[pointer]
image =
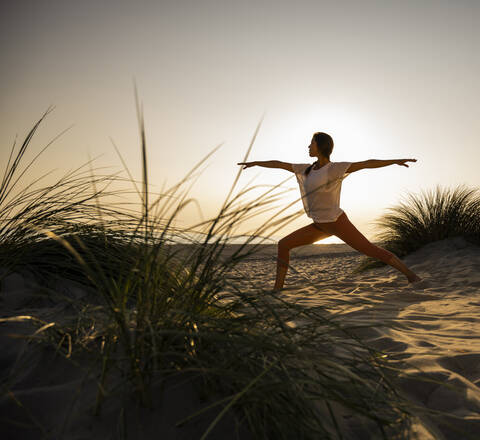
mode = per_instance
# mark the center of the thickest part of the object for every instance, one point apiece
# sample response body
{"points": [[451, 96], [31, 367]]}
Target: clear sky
{"points": [[386, 78]]}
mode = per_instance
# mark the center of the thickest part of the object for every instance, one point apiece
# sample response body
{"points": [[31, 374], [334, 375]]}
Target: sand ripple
{"points": [[431, 331]]}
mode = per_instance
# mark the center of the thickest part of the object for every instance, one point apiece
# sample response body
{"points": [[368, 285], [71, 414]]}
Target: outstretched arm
{"points": [[374, 163], [268, 164]]}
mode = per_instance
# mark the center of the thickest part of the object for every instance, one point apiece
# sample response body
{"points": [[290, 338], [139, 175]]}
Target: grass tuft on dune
{"points": [[427, 217], [156, 313]]}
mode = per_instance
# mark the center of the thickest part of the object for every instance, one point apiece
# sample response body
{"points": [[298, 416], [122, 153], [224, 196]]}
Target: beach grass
{"points": [[163, 308], [427, 217]]}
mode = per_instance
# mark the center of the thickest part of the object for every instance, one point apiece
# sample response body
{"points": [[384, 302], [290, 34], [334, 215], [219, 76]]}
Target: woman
{"points": [[320, 185]]}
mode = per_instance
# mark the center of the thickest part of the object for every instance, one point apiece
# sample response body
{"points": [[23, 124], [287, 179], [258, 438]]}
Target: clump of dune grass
{"points": [[164, 312], [31, 214], [428, 217]]}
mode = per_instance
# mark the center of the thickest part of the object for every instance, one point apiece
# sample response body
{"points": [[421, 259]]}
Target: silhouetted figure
{"points": [[320, 184]]}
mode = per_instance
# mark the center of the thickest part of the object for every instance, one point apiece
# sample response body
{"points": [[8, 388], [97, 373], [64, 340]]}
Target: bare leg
{"points": [[306, 235], [346, 231], [395, 262]]}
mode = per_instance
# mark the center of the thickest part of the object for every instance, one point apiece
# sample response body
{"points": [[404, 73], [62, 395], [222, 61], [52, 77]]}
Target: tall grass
{"points": [[428, 217], [163, 312]]}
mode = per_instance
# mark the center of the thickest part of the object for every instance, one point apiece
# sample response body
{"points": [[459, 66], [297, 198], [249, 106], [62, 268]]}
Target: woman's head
{"points": [[321, 144]]}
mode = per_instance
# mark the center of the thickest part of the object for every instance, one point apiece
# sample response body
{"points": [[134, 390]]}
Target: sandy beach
{"points": [[430, 331]]}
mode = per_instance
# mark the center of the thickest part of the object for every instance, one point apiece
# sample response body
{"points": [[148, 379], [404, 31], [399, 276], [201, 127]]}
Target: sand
{"points": [[430, 330]]}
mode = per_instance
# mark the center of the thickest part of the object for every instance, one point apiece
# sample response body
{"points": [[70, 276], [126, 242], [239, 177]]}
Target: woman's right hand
{"points": [[247, 164]]}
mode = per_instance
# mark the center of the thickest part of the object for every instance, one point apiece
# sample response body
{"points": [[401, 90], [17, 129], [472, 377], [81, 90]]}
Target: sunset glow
{"points": [[386, 80]]}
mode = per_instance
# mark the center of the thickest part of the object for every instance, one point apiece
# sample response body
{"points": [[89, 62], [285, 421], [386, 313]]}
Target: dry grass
{"points": [[428, 217], [157, 314]]}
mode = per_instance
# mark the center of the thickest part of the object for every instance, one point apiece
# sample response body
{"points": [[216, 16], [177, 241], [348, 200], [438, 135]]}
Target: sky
{"points": [[386, 79]]}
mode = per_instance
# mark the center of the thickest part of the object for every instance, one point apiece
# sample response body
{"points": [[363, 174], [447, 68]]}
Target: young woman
{"points": [[320, 185]]}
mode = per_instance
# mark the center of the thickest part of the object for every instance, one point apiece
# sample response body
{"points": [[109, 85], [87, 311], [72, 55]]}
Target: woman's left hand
{"points": [[403, 163]]}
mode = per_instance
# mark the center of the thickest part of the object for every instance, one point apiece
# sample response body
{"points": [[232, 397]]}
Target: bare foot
{"points": [[414, 279], [419, 284]]}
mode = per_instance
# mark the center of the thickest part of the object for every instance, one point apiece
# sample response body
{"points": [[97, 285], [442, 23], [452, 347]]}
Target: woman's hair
{"points": [[324, 144]]}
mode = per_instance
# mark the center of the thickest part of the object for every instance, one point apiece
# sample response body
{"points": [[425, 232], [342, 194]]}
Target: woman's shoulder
{"points": [[300, 167], [339, 168], [340, 163]]}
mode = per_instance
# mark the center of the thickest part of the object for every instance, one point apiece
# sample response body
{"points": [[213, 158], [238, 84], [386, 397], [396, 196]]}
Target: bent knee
{"points": [[284, 244]]}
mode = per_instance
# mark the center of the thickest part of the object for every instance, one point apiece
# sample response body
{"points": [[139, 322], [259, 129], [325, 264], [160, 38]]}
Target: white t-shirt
{"points": [[320, 190]]}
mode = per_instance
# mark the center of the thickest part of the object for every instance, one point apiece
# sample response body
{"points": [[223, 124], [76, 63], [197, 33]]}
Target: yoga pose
{"points": [[320, 185]]}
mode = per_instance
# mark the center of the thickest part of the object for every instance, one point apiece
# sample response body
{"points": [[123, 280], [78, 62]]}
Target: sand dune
{"points": [[430, 331]]}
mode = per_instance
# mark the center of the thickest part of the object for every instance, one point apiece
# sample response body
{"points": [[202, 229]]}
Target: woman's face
{"points": [[313, 149]]}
